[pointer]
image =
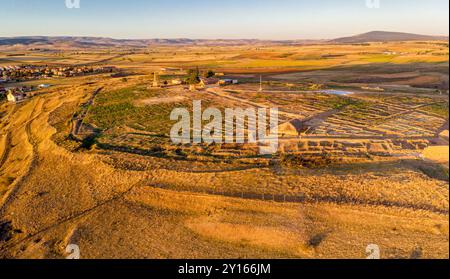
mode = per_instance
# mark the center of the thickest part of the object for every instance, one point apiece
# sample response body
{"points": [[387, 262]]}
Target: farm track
{"points": [[77, 122]]}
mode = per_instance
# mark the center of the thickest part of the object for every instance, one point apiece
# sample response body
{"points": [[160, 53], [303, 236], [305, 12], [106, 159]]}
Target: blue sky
{"points": [[228, 19]]}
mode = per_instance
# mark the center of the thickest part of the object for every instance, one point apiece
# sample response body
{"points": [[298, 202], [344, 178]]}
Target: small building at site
{"points": [[208, 82], [176, 81], [228, 81], [156, 82], [15, 97]]}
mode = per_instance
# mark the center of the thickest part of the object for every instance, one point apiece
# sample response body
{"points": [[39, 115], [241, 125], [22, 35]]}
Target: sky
{"points": [[222, 19]]}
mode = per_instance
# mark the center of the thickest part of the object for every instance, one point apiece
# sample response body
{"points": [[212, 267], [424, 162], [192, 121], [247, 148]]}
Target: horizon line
{"points": [[218, 38]]}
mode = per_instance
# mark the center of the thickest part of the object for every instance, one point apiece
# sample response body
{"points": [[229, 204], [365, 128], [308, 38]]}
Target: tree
{"points": [[210, 74], [193, 76]]}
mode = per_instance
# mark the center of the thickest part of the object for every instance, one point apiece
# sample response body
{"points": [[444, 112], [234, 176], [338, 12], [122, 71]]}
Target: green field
{"points": [[118, 109]]}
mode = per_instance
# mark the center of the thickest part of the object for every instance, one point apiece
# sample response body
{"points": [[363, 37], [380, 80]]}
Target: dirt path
{"points": [[77, 122]]}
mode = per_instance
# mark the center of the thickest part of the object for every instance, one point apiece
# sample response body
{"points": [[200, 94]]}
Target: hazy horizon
{"points": [[230, 39], [199, 19]]}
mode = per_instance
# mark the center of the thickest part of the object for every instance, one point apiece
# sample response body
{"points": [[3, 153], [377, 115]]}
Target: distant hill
{"points": [[90, 42], [383, 36], [74, 42], [67, 42]]}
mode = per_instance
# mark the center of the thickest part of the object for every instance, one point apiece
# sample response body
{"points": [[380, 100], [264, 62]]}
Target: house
{"points": [[228, 81], [15, 97], [208, 82], [176, 81]]}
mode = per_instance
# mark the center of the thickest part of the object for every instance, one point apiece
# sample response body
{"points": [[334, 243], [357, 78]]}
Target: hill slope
{"points": [[382, 36]]}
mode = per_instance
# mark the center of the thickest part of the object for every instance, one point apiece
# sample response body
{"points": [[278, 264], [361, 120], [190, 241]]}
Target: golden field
{"points": [[124, 191]]}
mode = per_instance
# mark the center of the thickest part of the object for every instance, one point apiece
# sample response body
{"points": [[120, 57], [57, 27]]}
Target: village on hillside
{"points": [[18, 76], [193, 79]]}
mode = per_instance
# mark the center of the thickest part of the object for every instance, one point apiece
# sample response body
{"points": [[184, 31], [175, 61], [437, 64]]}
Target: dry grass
{"points": [[119, 205], [437, 154]]}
